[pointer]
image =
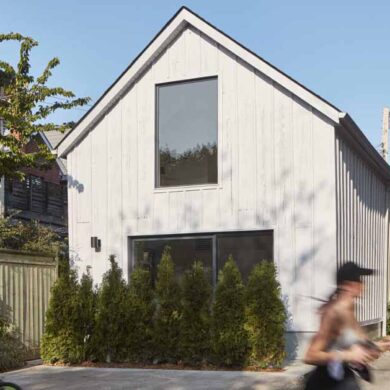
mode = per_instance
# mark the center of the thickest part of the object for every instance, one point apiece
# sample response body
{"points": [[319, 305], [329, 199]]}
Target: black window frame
{"points": [[157, 180], [207, 235]]}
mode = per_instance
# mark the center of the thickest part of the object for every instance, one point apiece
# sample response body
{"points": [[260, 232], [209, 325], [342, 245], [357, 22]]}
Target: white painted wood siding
{"points": [[362, 225], [276, 165]]}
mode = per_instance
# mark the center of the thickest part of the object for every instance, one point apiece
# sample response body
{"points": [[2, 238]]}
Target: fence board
{"points": [[25, 284]]}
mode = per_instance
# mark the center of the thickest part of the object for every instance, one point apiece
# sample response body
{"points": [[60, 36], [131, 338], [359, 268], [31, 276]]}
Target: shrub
{"points": [[266, 316], [140, 310], [109, 339], [29, 236], [229, 336], [388, 319], [167, 320], [85, 314], [12, 351], [60, 342], [196, 320]]}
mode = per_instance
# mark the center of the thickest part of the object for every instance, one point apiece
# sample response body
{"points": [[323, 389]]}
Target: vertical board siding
{"points": [[275, 171], [362, 225], [25, 284]]}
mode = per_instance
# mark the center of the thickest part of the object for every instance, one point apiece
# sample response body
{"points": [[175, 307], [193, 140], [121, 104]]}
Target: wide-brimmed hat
{"points": [[351, 272]]}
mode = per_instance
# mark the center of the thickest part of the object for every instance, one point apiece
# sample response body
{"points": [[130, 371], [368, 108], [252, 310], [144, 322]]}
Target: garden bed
{"points": [[168, 366]]}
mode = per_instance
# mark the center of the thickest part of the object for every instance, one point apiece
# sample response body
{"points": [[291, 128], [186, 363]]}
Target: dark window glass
{"points": [[247, 249], [187, 126], [184, 252]]}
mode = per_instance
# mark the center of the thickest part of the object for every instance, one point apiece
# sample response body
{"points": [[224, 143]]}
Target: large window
{"points": [[187, 127], [247, 249], [148, 252]]}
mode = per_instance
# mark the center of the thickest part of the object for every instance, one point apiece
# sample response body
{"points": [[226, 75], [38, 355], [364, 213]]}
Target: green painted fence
{"points": [[25, 284]]}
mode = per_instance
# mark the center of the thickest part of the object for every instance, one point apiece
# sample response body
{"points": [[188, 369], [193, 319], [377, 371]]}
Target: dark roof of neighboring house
{"points": [[55, 137], [51, 139]]}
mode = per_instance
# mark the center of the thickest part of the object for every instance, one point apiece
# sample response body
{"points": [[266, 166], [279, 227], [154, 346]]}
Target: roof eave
{"points": [[357, 136], [178, 22]]}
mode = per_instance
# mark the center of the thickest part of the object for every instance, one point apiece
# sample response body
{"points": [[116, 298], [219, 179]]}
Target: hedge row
{"points": [[167, 321]]}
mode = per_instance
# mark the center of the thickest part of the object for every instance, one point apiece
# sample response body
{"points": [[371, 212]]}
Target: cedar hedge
{"points": [[229, 335], [168, 321], [168, 312]]}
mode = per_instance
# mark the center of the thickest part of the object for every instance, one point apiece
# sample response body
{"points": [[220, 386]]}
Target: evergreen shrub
{"points": [[85, 314], [196, 318], [229, 336], [60, 342], [111, 332], [168, 311], [140, 311], [265, 317]]}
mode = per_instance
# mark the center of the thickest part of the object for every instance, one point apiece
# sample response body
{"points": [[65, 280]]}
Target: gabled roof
{"points": [[51, 139], [167, 34], [54, 137]]}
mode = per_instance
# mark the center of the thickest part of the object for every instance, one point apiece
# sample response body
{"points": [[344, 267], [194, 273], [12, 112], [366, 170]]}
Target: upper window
{"points": [[187, 130]]}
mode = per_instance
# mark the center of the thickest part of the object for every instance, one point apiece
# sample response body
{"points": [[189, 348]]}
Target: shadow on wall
{"points": [[74, 183]]}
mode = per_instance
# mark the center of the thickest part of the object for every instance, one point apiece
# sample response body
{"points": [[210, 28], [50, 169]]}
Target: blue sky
{"points": [[339, 49]]}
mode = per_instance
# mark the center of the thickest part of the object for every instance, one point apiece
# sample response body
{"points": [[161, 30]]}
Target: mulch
{"points": [[169, 366]]}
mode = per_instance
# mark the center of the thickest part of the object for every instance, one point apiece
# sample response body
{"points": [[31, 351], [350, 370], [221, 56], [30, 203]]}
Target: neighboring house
{"points": [[203, 145], [42, 196]]}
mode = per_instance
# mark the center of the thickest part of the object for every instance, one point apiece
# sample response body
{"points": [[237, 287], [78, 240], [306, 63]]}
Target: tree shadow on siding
{"points": [[74, 183]]}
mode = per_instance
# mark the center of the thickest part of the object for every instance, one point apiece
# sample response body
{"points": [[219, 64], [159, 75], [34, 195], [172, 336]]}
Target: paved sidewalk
{"points": [[75, 378], [72, 378], [381, 374]]}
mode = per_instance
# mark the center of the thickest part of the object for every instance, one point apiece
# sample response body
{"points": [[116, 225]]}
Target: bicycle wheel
{"points": [[9, 386]]}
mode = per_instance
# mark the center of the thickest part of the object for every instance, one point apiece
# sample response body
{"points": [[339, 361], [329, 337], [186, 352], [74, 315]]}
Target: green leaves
{"points": [[196, 318], [110, 335], [229, 336], [171, 322], [167, 321], [25, 105], [266, 316]]}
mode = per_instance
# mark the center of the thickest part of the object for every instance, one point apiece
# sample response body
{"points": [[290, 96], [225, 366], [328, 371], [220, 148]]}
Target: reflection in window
{"points": [[184, 252], [247, 249], [187, 129]]}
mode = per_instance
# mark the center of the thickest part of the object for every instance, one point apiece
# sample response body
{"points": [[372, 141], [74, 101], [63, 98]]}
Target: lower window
{"points": [[148, 252], [247, 249]]}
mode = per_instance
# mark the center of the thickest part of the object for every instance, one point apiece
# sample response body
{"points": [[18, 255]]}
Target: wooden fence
{"points": [[25, 284]]}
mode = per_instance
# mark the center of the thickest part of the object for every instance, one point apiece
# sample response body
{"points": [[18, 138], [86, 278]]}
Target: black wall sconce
{"points": [[96, 243]]}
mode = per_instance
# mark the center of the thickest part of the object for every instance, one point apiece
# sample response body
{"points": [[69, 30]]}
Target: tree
{"points": [[109, 338], [167, 321], [196, 320], [229, 336], [266, 316], [140, 311], [25, 105]]}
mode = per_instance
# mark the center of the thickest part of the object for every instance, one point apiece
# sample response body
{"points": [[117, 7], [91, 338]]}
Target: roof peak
{"points": [[177, 23]]}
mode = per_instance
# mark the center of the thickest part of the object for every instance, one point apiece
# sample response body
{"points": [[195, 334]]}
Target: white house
{"points": [[202, 144]]}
